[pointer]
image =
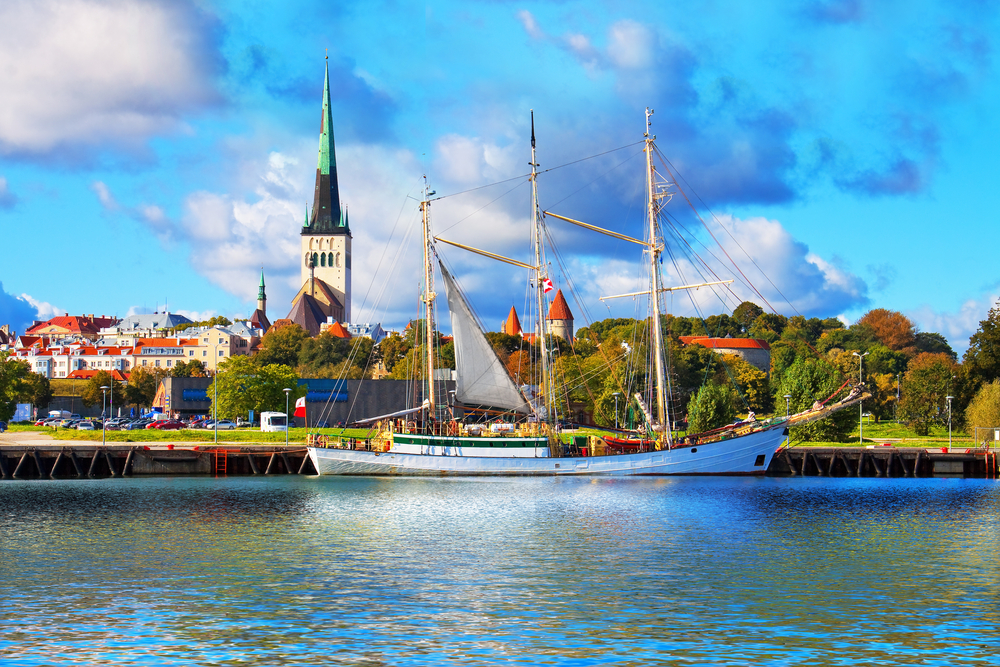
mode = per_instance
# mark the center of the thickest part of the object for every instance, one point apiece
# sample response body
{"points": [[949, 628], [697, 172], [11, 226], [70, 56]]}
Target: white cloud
{"points": [[468, 160], [531, 27], [631, 45], [7, 198], [957, 326], [104, 196], [85, 72], [45, 310]]}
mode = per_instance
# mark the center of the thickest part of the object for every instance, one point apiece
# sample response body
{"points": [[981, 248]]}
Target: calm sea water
{"points": [[296, 571]]}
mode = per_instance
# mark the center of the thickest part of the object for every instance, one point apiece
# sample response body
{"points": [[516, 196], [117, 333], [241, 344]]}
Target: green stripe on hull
{"points": [[444, 441]]}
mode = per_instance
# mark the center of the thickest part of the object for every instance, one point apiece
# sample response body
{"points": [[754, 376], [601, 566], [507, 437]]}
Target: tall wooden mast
{"points": [[655, 248], [425, 206], [540, 276]]}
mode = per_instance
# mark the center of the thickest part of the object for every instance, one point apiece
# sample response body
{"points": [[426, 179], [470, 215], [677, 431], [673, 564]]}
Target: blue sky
{"points": [[162, 152]]}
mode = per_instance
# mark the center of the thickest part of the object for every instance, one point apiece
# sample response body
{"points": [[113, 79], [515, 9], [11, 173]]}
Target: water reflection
{"points": [[569, 572]]}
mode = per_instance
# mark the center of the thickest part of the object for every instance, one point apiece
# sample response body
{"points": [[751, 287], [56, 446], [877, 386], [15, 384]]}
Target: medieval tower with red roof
{"points": [[560, 319]]}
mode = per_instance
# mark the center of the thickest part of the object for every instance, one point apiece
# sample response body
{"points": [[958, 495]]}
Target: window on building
{"points": [[190, 353], [315, 258], [157, 362], [170, 362], [204, 353], [222, 353], [322, 259]]}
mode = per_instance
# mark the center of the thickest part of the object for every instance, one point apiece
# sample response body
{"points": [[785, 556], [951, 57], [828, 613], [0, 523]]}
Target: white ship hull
{"points": [[749, 454]]}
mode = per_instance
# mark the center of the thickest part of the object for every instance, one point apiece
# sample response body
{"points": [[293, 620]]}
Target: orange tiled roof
{"points": [[337, 329], [560, 309], [89, 373], [75, 324], [512, 326], [727, 343]]}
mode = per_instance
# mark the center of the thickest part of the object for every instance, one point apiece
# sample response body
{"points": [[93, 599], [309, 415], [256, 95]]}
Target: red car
{"points": [[166, 424]]}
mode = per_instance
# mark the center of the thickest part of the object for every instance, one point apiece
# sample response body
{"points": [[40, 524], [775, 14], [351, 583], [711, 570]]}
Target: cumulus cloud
{"points": [[85, 73], [20, 311], [7, 198], [957, 326]]}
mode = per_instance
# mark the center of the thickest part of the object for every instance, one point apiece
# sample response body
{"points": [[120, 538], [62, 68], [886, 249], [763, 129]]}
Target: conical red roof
{"points": [[559, 309], [337, 329], [512, 326]]}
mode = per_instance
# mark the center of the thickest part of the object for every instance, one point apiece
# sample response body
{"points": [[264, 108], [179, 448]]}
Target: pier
{"points": [[96, 461], [884, 462]]}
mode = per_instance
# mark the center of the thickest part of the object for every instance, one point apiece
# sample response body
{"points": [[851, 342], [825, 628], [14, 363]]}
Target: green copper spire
{"points": [[326, 217], [260, 290]]}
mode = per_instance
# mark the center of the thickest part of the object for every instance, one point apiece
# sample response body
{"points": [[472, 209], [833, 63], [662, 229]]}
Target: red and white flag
{"points": [[300, 407], [547, 285]]}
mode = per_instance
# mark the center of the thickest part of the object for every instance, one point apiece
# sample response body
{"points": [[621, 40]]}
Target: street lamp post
{"points": [[287, 392], [949, 421], [616, 395], [104, 430], [788, 397], [861, 408]]}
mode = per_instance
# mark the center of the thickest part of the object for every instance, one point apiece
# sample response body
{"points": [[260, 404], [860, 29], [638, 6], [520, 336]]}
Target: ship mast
{"points": [[536, 218], [428, 299], [654, 257]]}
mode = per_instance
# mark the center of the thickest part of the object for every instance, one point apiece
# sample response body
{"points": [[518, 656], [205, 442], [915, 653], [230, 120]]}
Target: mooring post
{"points": [[253, 464], [76, 464], [270, 463], [52, 473], [93, 463]]}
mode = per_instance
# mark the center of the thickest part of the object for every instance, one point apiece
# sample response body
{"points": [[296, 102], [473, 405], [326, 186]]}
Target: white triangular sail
{"points": [[481, 376]]}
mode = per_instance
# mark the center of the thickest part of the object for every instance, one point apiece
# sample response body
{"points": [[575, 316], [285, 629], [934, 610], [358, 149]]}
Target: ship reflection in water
{"points": [[499, 571]]}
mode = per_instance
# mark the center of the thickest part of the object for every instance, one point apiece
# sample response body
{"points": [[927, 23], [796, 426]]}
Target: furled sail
{"points": [[482, 378]]}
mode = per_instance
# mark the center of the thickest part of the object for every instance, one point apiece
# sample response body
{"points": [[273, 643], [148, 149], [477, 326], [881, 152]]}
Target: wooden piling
{"points": [[4, 474], [127, 468], [52, 473], [111, 463], [76, 464], [270, 463], [288, 465], [93, 463], [20, 463], [253, 464], [38, 463], [302, 466]]}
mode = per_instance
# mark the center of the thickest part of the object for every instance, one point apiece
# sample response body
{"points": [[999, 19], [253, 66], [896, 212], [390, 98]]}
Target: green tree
{"points": [[711, 407], [141, 388], [807, 381], [245, 386], [282, 346], [746, 313], [14, 374], [37, 390], [752, 384], [934, 342], [193, 368], [984, 409], [925, 388], [392, 349], [93, 395], [982, 360]]}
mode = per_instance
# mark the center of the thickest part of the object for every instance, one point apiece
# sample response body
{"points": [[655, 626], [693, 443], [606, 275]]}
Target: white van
{"points": [[273, 421]]}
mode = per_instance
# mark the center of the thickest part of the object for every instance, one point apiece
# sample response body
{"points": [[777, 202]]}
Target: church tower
{"points": [[326, 236]]}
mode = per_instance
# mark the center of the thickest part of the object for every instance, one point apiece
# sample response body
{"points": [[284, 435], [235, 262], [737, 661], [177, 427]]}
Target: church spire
{"points": [[261, 297], [327, 216]]}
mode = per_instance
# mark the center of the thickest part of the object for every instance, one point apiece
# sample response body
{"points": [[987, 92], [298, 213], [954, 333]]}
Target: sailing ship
{"points": [[439, 444]]}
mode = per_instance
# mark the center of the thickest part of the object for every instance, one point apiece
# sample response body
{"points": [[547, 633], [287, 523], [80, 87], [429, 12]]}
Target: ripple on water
{"points": [[562, 572]]}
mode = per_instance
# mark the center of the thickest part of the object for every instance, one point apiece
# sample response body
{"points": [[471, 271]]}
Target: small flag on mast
{"points": [[547, 285], [300, 407]]}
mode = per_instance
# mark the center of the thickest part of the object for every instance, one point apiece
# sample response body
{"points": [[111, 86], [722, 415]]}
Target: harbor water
{"points": [[657, 571]]}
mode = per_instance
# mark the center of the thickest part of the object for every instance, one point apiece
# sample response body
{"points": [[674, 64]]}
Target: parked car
{"points": [[167, 425], [225, 424], [84, 425], [3, 426]]}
